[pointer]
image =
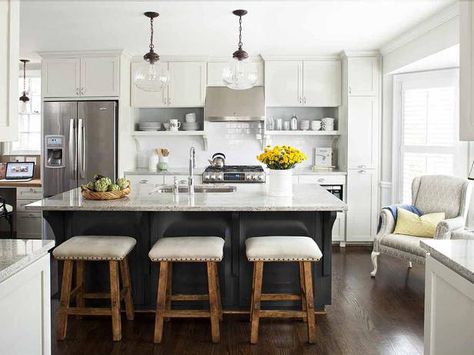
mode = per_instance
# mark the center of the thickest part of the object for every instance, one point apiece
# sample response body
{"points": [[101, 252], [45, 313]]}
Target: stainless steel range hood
{"points": [[224, 104]]}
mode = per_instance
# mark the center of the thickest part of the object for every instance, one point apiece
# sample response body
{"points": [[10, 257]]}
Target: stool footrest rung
{"points": [[281, 314], [89, 311], [189, 297], [186, 314], [280, 297], [104, 295]]}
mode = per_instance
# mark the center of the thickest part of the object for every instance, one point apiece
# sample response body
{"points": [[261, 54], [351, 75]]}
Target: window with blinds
{"points": [[428, 139]]}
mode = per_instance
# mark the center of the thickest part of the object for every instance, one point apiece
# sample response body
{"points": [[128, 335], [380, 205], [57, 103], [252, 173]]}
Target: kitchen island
{"points": [[147, 215]]}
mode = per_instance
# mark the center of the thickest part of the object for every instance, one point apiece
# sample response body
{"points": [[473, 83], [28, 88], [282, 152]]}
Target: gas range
{"points": [[234, 174]]}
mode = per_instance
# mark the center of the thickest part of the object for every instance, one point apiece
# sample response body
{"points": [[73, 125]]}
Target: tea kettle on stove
{"points": [[217, 160]]}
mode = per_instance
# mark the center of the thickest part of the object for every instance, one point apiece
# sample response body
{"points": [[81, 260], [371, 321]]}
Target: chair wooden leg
{"points": [[308, 286], [127, 285], [115, 300], [169, 289], [213, 301], [219, 298], [303, 292], [80, 283], [161, 301], [65, 299], [257, 275]]}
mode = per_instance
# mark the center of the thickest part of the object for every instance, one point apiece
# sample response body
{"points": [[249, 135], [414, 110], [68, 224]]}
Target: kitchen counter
{"points": [[247, 197], [457, 255], [31, 183], [234, 216], [16, 254], [199, 171]]}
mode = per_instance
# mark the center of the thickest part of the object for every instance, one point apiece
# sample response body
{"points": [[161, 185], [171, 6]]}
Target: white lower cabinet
{"points": [[26, 310], [361, 199], [29, 225], [449, 310]]}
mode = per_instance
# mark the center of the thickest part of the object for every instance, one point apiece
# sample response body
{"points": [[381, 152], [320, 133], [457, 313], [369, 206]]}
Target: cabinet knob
{"points": [[350, 90], [304, 100], [362, 171], [77, 91], [83, 91], [321, 179]]}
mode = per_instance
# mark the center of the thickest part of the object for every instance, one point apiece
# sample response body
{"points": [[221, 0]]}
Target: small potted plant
{"points": [[280, 160]]}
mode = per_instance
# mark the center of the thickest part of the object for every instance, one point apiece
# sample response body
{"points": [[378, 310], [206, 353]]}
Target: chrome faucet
{"points": [[192, 165]]}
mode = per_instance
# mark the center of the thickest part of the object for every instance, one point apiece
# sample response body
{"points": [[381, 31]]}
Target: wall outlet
{"points": [[19, 159]]}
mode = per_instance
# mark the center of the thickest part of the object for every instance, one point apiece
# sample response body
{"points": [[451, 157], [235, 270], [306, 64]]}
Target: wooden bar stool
{"points": [[170, 250], [80, 249], [303, 250]]}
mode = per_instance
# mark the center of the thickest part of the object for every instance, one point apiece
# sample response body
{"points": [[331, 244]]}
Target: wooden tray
{"points": [[107, 195]]}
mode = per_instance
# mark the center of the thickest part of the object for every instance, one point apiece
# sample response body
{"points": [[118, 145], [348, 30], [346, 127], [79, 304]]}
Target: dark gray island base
{"points": [[147, 225]]}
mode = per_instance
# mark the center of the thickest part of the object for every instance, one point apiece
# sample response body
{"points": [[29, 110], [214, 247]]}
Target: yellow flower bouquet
{"points": [[281, 157]]}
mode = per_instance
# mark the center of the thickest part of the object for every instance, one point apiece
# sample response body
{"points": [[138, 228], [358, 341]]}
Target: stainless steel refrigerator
{"points": [[79, 141]]}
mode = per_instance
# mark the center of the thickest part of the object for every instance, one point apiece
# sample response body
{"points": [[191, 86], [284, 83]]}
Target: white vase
{"points": [[280, 182]]}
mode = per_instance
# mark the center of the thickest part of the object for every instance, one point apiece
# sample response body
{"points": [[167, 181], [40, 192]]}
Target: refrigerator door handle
{"points": [[81, 150], [72, 155]]}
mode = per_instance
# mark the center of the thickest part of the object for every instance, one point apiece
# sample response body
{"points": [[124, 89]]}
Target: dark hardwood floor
{"points": [[367, 316]]}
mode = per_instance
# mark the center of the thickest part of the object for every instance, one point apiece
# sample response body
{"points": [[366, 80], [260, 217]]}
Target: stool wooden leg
{"points": [[303, 293], [213, 301], [115, 300], [65, 299], [80, 283], [308, 285], [161, 301], [127, 285], [169, 289], [257, 276], [219, 299], [251, 295]]}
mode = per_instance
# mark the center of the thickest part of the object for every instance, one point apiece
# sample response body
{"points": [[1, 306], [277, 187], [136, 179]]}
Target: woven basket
{"points": [[107, 195]]}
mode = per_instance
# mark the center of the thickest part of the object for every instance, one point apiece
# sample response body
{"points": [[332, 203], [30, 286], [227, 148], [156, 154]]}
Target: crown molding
{"points": [[438, 19], [349, 53], [301, 57], [66, 54]]}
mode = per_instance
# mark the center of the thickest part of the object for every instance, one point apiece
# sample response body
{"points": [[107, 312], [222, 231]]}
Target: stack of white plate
{"points": [[190, 126], [149, 126]]}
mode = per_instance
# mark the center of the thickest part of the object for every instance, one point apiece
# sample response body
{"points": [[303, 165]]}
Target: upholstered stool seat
{"points": [[303, 250], [78, 250], [167, 251], [95, 247], [199, 249], [281, 248]]}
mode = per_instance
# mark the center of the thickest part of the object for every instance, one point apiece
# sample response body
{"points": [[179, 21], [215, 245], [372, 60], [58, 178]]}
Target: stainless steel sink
{"points": [[197, 189]]}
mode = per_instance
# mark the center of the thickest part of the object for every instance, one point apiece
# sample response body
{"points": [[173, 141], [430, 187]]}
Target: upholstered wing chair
{"points": [[430, 193]]}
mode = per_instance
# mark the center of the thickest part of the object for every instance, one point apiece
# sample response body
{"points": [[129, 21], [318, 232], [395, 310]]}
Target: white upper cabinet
{"points": [[187, 86], [215, 69], [92, 75], [283, 83], [311, 83], [142, 98], [362, 128], [100, 76], [363, 76], [466, 72], [9, 65], [322, 83], [61, 77]]}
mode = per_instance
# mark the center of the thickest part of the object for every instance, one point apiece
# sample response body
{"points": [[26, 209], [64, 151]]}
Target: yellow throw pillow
{"points": [[410, 223]]}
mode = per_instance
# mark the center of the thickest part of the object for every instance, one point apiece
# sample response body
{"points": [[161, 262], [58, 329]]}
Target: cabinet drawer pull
{"points": [[143, 181], [363, 166], [321, 179], [362, 171]]}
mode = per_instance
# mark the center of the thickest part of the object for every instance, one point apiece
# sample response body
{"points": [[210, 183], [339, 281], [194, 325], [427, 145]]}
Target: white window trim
{"points": [[7, 150], [397, 127]]}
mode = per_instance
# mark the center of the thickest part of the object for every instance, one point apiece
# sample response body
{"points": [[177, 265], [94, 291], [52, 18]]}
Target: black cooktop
{"points": [[236, 169]]}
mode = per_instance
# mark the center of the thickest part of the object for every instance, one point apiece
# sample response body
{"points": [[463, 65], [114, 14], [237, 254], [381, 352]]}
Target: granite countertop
{"points": [[247, 197], [200, 170], [16, 254], [458, 255]]}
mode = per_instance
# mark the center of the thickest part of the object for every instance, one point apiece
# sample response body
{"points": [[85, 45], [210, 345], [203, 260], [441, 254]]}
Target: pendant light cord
{"points": [[152, 46], [240, 33], [24, 77]]}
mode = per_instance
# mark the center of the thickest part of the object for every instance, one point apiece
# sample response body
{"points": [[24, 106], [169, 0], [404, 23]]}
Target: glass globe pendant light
{"points": [[238, 74], [24, 99], [151, 77]]}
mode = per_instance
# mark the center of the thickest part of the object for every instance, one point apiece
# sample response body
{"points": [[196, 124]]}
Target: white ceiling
{"points": [[448, 58], [209, 28]]}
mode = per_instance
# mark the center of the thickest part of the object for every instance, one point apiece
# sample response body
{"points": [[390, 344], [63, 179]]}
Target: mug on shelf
{"points": [[174, 125], [190, 117]]}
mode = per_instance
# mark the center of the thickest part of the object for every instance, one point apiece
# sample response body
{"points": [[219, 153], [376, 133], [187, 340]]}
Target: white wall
{"points": [[433, 35]]}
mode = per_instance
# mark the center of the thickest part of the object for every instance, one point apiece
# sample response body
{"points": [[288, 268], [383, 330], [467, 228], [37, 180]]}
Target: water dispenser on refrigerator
{"points": [[54, 151]]}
